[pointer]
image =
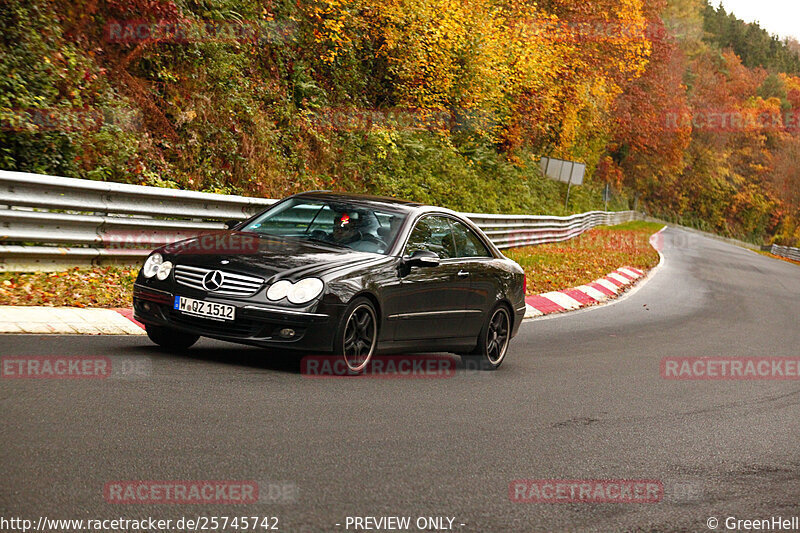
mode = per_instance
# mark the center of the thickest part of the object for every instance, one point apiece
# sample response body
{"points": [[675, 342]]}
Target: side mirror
{"points": [[422, 258], [230, 224]]}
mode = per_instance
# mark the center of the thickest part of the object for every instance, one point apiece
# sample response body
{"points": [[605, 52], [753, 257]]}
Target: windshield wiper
{"points": [[323, 241]]}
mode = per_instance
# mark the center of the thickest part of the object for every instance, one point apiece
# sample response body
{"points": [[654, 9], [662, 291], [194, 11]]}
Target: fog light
{"points": [[287, 333], [146, 306]]}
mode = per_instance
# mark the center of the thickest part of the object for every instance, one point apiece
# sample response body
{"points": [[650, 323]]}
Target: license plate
{"points": [[211, 310]]}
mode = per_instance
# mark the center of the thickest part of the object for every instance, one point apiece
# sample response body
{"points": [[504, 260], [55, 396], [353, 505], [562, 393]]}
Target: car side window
{"points": [[433, 234], [467, 243]]}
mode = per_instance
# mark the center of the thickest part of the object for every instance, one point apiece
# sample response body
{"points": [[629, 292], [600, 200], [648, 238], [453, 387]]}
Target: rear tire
{"points": [[357, 335], [493, 341], [169, 338]]}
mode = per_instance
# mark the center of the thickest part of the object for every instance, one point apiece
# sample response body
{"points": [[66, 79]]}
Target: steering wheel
{"points": [[319, 235], [372, 237]]}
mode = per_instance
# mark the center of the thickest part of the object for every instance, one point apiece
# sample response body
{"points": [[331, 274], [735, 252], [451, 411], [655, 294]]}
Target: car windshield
{"points": [[353, 225]]}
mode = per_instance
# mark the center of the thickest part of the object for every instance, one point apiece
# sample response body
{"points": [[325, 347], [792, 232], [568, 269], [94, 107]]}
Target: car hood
{"points": [[265, 256]]}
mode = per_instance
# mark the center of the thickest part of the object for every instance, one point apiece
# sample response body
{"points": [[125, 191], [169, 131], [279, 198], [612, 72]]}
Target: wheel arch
{"points": [[504, 301], [374, 301]]}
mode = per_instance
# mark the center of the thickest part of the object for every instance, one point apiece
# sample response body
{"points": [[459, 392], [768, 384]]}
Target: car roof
{"points": [[361, 198], [366, 199]]}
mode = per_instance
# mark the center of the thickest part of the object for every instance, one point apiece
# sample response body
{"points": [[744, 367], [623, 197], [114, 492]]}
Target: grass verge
{"points": [[549, 267], [592, 255], [77, 287]]}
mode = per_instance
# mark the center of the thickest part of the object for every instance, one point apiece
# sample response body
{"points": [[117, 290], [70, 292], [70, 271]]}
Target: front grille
{"points": [[232, 284], [241, 327]]}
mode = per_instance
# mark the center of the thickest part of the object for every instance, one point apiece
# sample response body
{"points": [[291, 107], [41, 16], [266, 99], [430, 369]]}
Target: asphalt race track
{"points": [[580, 396]]}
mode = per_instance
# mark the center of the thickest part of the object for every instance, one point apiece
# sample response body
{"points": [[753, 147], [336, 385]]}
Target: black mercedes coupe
{"points": [[323, 272]]}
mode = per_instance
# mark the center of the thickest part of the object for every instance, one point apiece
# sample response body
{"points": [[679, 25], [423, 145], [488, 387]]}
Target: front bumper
{"points": [[256, 324]]}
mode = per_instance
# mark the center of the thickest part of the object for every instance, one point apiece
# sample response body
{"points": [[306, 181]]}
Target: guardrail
{"points": [[784, 251], [52, 223], [508, 231]]}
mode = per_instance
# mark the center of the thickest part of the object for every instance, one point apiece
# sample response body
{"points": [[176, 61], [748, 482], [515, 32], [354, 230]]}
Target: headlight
{"points": [[305, 290], [151, 265], [279, 290], [301, 292], [163, 270]]}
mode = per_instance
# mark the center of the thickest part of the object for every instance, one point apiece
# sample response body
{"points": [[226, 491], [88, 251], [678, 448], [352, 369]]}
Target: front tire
{"points": [[169, 338], [357, 336], [493, 341]]}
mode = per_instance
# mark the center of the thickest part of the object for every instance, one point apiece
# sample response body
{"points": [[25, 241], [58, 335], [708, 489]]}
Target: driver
{"points": [[345, 228], [356, 229]]}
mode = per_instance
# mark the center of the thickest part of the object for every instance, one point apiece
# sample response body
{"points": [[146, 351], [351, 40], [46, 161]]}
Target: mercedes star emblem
{"points": [[213, 280]]}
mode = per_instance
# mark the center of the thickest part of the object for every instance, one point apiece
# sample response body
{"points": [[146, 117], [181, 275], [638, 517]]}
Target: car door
{"points": [[474, 258], [430, 301]]}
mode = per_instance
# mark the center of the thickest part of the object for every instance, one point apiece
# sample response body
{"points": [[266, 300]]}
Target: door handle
{"points": [[463, 274]]}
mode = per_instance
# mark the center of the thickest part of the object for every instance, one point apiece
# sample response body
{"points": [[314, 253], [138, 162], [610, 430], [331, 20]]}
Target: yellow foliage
{"points": [[479, 59]]}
